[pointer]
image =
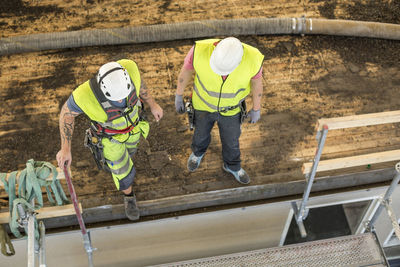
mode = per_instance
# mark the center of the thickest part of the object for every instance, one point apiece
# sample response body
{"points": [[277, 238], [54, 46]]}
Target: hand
{"points": [[157, 112], [179, 105], [254, 115], [64, 157]]}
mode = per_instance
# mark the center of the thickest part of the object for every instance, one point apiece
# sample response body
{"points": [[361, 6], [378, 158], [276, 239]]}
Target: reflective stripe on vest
{"points": [[112, 124], [211, 92], [215, 94]]}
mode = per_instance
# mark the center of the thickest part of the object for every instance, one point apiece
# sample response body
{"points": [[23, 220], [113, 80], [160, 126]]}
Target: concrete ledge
{"points": [[223, 197]]}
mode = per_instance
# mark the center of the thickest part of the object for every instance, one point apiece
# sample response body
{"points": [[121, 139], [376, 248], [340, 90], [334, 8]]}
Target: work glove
{"points": [[254, 115], [179, 105]]}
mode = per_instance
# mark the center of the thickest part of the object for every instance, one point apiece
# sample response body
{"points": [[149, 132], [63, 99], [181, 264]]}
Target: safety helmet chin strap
{"points": [[108, 72]]}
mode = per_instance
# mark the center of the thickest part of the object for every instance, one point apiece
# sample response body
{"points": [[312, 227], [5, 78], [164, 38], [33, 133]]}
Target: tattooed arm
{"points": [[156, 110], [67, 122], [183, 79], [257, 88]]}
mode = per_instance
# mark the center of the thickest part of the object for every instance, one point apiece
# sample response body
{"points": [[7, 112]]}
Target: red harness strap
{"points": [[100, 130]]}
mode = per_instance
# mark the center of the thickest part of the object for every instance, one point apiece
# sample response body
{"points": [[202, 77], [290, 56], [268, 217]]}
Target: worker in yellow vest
{"points": [[226, 71], [112, 100]]}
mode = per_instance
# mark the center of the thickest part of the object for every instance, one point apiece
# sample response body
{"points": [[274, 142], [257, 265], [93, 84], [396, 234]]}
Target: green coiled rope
{"points": [[30, 183]]}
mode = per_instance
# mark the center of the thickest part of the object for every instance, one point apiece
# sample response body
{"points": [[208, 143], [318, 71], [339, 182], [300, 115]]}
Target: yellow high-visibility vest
{"points": [[211, 93], [87, 101]]}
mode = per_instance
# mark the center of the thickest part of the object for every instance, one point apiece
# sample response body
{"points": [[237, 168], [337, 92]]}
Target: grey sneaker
{"points": [[193, 162], [131, 208], [241, 176]]}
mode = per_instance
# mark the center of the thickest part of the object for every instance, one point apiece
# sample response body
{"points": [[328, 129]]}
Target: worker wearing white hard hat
{"points": [[112, 100], [226, 71]]}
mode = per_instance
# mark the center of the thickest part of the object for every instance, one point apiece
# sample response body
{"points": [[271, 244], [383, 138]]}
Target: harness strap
{"points": [[5, 243], [100, 130]]}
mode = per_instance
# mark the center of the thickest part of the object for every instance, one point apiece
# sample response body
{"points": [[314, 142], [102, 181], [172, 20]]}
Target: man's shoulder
{"points": [[129, 65], [251, 48], [207, 41], [126, 63], [83, 87]]}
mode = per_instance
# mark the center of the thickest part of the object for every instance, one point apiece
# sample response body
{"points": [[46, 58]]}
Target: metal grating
{"points": [[356, 250]]}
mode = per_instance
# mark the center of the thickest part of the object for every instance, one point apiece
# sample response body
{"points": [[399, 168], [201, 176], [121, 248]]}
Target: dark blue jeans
{"points": [[229, 132]]}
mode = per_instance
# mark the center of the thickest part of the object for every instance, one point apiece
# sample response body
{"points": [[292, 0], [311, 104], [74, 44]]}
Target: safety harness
{"points": [[98, 130], [112, 111]]}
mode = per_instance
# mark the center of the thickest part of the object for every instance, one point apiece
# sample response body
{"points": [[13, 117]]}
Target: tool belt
{"points": [[190, 112], [243, 111], [93, 142]]}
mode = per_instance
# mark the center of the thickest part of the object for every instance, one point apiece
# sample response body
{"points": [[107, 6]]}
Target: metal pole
{"points": [[27, 221], [302, 213], [85, 234], [300, 223], [22, 217], [386, 197], [31, 240], [42, 245]]}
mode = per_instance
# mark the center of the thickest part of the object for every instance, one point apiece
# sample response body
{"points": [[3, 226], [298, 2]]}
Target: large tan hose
{"points": [[351, 28], [196, 29]]}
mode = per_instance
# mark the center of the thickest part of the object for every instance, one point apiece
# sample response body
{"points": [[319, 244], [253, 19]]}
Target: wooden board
{"points": [[340, 163], [59, 176], [359, 120], [47, 212]]}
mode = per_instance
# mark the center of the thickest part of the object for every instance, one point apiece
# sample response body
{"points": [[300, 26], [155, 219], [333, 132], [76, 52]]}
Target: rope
{"points": [[30, 183], [5, 241]]}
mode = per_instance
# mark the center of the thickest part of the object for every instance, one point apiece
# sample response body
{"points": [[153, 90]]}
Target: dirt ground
{"points": [[305, 78]]}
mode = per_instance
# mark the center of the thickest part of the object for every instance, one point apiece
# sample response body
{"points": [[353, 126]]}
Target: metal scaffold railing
{"points": [[386, 203], [323, 126]]}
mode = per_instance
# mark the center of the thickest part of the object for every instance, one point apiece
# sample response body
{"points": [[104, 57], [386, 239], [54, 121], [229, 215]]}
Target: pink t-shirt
{"points": [[188, 64]]}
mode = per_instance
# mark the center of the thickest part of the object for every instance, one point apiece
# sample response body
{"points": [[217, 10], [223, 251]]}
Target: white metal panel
{"points": [[383, 225], [181, 238]]}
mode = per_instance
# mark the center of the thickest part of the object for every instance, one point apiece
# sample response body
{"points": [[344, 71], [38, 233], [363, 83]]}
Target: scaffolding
{"points": [[357, 250], [323, 126], [28, 219]]}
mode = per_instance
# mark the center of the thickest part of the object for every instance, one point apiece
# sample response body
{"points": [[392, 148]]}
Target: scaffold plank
{"points": [[46, 212], [347, 162], [359, 120]]}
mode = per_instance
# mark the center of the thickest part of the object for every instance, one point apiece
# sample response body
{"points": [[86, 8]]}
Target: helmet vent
{"points": [[108, 94]]}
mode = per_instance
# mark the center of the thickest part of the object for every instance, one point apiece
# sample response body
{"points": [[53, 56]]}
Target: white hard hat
{"points": [[226, 56], [114, 81]]}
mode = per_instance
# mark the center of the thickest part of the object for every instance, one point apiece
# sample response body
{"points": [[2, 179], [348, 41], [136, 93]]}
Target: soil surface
{"points": [[305, 78]]}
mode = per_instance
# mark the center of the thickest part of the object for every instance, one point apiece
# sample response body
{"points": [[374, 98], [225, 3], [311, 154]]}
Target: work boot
{"points": [[241, 176], [193, 162], [131, 208]]}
